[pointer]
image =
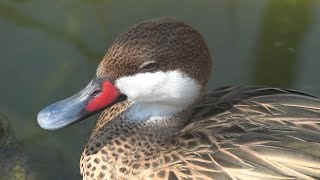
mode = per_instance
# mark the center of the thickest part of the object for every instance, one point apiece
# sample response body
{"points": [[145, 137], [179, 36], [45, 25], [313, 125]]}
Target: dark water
{"points": [[50, 49]]}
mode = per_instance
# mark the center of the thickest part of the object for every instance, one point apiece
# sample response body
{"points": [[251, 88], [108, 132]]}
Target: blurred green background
{"points": [[50, 49]]}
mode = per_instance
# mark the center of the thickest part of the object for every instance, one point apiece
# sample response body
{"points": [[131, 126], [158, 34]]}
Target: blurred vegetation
{"points": [[13, 15], [13, 162], [4, 130], [282, 31]]}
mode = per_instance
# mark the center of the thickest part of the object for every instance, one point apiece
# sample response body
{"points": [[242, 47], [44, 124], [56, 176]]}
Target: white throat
{"points": [[139, 111], [159, 94]]}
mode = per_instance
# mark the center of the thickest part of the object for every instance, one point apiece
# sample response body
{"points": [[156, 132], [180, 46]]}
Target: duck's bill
{"points": [[96, 96]]}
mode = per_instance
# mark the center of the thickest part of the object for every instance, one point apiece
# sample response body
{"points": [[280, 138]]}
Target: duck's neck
{"points": [[133, 118], [157, 118]]}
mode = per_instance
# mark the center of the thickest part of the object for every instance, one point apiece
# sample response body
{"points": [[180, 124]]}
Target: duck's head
{"points": [[161, 63]]}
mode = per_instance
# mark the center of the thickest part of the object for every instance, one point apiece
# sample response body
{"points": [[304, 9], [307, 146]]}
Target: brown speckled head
{"points": [[166, 43]]}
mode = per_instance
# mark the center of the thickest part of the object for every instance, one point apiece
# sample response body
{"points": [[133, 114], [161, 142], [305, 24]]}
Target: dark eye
{"points": [[96, 92], [149, 66]]}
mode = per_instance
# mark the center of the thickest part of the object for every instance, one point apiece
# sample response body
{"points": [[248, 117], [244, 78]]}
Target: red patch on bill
{"points": [[107, 96]]}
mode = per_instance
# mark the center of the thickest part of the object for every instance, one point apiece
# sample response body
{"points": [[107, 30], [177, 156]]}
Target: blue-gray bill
{"points": [[68, 111], [96, 96]]}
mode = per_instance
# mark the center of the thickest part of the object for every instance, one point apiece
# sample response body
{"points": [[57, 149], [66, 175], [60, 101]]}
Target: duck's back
{"points": [[249, 133]]}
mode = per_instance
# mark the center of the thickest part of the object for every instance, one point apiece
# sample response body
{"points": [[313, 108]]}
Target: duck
{"points": [[159, 121]]}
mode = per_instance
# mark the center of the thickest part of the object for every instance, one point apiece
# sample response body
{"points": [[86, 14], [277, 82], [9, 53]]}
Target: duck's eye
{"points": [[148, 66], [96, 92]]}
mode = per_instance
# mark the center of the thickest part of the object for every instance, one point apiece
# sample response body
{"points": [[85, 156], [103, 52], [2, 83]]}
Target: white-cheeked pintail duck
{"points": [[159, 122]]}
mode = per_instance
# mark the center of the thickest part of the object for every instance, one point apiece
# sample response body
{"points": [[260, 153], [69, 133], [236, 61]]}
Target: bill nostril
{"points": [[96, 92]]}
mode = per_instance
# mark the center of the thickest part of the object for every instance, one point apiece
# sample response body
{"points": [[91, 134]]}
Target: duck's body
{"points": [[169, 128], [234, 133]]}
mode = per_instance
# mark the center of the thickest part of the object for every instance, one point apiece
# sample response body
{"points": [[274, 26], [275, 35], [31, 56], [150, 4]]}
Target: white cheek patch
{"points": [[172, 88]]}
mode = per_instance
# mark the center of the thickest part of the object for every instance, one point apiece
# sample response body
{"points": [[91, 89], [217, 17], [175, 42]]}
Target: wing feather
{"points": [[250, 133]]}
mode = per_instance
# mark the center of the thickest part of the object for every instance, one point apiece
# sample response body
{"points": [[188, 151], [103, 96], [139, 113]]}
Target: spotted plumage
{"points": [[167, 41], [234, 133], [169, 127]]}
